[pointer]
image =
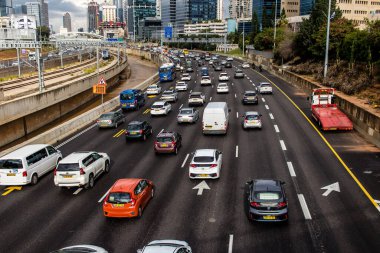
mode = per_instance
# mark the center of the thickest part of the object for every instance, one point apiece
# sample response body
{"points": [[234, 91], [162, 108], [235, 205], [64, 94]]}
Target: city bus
{"points": [[132, 99], [167, 72]]}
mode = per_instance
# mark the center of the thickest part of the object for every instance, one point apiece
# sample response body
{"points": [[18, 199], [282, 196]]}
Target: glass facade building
{"points": [[306, 6], [265, 10], [137, 11], [201, 10]]}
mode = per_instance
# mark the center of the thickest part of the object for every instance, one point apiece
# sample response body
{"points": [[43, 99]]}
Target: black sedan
{"points": [[266, 200], [138, 130]]}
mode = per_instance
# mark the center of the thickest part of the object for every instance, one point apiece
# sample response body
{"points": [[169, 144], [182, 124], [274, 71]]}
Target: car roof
{"points": [[185, 74], [267, 185], [204, 152], [223, 73], [250, 91], [24, 151], [159, 103], [205, 76], [135, 122], [75, 157], [165, 134], [177, 242], [196, 93], [264, 83], [187, 108], [222, 84], [125, 184]]}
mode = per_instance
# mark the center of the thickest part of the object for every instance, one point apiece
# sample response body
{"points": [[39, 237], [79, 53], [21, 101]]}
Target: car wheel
{"points": [[90, 183], [139, 214], [107, 167], [34, 180]]}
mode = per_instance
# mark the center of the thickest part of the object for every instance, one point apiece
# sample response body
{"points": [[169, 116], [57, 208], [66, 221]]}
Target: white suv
{"points": [[223, 77], [80, 169]]}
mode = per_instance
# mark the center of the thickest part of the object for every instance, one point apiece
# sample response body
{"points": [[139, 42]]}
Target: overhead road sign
{"points": [[168, 32]]}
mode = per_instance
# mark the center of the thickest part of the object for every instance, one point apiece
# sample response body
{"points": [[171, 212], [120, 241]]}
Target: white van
{"points": [[215, 118], [27, 164]]}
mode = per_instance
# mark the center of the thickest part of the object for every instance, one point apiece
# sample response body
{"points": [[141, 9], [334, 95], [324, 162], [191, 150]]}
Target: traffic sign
{"points": [[102, 81], [168, 32], [99, 89]]}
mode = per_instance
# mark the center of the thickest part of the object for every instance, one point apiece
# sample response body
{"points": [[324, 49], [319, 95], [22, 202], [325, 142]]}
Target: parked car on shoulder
{"points": [[81, 169]]}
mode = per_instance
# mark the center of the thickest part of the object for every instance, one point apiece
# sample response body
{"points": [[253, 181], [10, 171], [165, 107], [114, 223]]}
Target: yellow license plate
{"points": [[208, 126], [133, 133], [118, 205], [164, 145], [67, 176], [203, 175], [123, 104], [11, 174], [269, 217]]}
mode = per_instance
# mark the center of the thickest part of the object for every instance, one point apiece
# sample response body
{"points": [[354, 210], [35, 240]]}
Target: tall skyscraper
{"points": [[108, 13], [92, 16], [67, 21], [20, 9], [138, 10], [6, 7], [44, 13], [242, 8], [265, 12], [220, 10], [34, 9]]}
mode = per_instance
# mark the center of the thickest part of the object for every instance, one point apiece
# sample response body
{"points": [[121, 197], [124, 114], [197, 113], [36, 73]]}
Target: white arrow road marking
{"points": [[271, 116], [77, 191], [305, 210], [230, 244], [291, 169], [330, 188], [184, 161], [201, 186], [276, 128], [282, 143]]}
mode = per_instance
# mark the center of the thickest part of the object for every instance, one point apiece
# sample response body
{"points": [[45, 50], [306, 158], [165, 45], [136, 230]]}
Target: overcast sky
{"points": [[76, 8]]}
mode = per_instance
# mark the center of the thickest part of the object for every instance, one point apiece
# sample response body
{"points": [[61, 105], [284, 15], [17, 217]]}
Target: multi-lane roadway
{"points": [[338, 218]]}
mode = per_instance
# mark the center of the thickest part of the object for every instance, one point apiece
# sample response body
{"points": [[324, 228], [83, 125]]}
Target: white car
{"points": [[81, 169], [153, 89], [222, 88], [196, 98], [229, 59], [160, 108], [265, 88], [82, 248], [181, 86], [210, 62], [252, 120], [166, 246], [206, 163], [205, 80], [223, 77], [186, 77], [170, 95], [245, 65]]}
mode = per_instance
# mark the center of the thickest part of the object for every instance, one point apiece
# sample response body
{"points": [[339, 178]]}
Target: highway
{"points": [[43, 218]]}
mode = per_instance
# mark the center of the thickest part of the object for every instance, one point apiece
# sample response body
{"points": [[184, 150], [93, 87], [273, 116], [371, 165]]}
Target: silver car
{"points": [[111, 119], [81, 248], [188, 115], [252, 120], [166, 246], [170, 95]]}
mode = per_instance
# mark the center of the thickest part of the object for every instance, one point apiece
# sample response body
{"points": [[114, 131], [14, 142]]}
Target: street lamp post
{"points": [[327, 42], [275, 25]]}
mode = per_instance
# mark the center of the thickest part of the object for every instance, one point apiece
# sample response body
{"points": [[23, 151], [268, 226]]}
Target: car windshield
{"points": [[251, 117], [10, 164], [106, 116], [267, 195], [187, 112], [180, 84], [203, 159], [134, 127], [68, 167], [119, 197], [164, 139], [126, 96]]}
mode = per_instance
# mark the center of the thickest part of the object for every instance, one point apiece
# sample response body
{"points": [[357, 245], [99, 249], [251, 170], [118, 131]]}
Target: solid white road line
{"points": [[76, 136], [271, 116], [263, 99], [291, 169], [180, 106], [101, 199], [184, 161], [276, 128], [283, 145], [230, 244], [267, 107], [237, 151], [305, 210], [237, 114], [77, 191]]}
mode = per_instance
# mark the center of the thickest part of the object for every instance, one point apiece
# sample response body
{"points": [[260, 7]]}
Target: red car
{"points": [[167, 142]]}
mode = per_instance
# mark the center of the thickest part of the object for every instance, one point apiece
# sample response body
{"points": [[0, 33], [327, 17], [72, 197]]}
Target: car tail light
{"points": [[55, 171], [81, 171], [213, 165], [156, 143], [24, 174], [173, 143], [282, 204], [255, 204], [193, 165], [141, 131], [246, 121], [133, 202]]}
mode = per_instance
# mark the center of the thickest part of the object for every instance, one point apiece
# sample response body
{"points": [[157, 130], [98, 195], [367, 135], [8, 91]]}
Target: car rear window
{"points": [[68, 167], [167, 92], [195, 96], [252, 117], [134, 127], [203, 159], [119, 197], [188, 112], [164, 139], [265, 85], [10, 164], [268, 195], [106, 116], [157, 106], [250, 94]]}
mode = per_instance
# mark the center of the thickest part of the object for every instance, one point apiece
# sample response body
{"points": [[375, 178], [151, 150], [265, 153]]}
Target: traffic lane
{"points": [[324, 172], [360, 156]]}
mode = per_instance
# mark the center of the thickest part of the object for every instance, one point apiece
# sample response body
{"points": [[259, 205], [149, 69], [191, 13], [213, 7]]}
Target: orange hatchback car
{"points": [[128, 197]]}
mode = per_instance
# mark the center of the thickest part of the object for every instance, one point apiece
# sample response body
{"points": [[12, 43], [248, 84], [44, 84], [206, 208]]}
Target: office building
{"points": [[149, 29], [44, 8], [295, 8], [220, 10], [219, 28], [241, 8], [67, 21], [6, 8], [158, 9], [34, 9], [138, 10], [359, 11], [92, 16], [108, 13], [20, 9], [264, 10]]}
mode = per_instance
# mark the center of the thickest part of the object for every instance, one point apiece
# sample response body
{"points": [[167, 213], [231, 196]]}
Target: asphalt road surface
{"points": [[43, 218]]}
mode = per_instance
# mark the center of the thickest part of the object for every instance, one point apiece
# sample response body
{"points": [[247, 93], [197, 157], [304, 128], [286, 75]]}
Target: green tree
{"points": [[255, 27], [264, 40], [265, 22], [282, 21], [43, 33]]}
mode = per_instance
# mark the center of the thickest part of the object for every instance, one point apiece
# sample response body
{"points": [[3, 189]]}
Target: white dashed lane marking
{"points": [[291, 169], [282, 143], [276, 128]]}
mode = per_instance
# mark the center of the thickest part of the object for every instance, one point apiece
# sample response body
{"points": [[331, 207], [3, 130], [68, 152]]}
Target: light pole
{"points": [[327, 43], [275, 25]]}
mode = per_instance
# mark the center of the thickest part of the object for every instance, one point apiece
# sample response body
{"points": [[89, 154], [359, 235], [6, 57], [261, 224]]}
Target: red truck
{"points": [[326, 112]]}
